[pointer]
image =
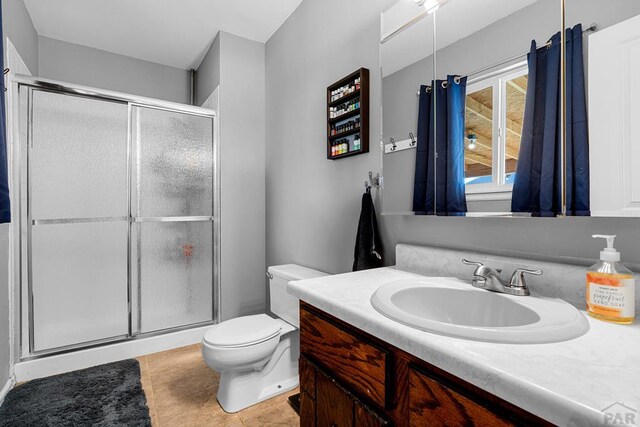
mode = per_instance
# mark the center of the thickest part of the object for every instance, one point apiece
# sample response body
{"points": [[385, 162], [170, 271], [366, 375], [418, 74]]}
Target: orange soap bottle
{"points": [[611, 287]]}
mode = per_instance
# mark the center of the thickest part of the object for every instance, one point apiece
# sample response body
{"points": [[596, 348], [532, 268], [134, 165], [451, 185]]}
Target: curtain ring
{"points": [[428, 89], [6, 70], [444, 85], [457, 79]]}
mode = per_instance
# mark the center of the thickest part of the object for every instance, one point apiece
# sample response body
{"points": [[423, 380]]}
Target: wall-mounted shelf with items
{"points": [[348, 116]]}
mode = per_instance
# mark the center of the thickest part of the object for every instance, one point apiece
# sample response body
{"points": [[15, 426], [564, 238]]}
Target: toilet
{"points": [[257, 356]]}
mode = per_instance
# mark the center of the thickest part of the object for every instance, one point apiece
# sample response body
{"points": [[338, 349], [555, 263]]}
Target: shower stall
{"points": [[117, 224]]}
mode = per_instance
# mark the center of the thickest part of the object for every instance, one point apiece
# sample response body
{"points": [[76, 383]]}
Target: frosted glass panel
{"points": [[78, 158], [174, 163], [79, 274], [176, 276]]}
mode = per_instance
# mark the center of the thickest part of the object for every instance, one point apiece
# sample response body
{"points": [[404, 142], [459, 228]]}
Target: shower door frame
{"points": [[23, 222]]}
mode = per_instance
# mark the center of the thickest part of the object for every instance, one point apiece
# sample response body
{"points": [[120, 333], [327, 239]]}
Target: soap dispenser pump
{"points": [[610, 287]]}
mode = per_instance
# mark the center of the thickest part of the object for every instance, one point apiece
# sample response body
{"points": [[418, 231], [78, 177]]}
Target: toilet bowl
{"points": [[257, 356]]}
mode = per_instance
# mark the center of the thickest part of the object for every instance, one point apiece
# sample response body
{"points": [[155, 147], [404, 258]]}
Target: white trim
{"points": [[11, 381], [58, 364], [488, 196], [489, 214]]}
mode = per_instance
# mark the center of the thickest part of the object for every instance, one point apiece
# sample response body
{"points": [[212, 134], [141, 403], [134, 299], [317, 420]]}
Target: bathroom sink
{"points": [[452, 307]]}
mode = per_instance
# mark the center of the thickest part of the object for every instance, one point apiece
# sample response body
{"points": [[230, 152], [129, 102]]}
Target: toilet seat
{"points": [[243, 331]]}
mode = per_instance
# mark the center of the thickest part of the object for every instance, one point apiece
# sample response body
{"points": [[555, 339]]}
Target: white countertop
{"points": [[567, 383]]}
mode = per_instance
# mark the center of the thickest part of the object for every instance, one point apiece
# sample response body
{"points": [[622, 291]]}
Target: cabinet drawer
{"points": [[353, 360], [432, 404]]}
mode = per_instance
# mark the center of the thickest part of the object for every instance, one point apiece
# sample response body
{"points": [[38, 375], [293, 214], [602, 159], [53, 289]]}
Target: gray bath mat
{"points": [[106, 395]]}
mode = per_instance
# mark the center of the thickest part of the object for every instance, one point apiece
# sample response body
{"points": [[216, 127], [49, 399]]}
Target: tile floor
{"points": [[181, 391]]}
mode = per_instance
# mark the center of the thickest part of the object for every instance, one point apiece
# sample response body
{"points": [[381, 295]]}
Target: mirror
{"points": [[406, 61], [611, 68], [494, 142], [481, 48], [486, 44]]}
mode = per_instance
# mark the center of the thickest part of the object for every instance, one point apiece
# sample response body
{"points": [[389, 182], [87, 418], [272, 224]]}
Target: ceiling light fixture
{"points": [[473, 138], [430, 5]]}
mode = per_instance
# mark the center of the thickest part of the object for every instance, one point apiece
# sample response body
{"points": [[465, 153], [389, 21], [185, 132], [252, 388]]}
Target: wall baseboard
{"points": [[61, 363], [11, 381]]}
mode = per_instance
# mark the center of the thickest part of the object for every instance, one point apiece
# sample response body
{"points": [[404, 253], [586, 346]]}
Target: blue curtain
{"points": [[5, 207], [456, 202], [423, 190], [537, 187], [577, 176], [439, 182]]}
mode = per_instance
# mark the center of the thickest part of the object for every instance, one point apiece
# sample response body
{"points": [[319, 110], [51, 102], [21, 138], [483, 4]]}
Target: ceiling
{"points": [[170, 32], [455, 20]]}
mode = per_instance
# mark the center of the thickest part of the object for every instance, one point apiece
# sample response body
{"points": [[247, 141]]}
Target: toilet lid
{"points": [[243, 331]]}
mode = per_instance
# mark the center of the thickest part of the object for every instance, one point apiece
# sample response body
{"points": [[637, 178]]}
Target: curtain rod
{"points": [[593, 27]]}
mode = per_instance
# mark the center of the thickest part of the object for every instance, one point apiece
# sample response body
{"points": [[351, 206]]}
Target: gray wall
{"points": [[313, 203], [208, 73], [242, 166], [17, 25], [83, 65]]}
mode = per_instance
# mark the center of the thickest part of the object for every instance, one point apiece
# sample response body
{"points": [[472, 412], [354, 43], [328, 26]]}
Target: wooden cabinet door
{"points": [[364, 417], [307, 410], [434, 405], [334, 408]]}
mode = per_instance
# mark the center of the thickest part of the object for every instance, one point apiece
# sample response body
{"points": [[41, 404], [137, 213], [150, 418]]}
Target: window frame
{"points": [[498, 189]]}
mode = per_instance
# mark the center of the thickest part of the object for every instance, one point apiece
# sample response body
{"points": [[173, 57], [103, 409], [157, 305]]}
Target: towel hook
{"points": [[393, 144], [374, 181], [413, 139]]}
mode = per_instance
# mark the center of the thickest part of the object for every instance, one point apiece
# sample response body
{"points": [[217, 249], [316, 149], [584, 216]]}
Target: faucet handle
{"points": [[479, 267], [476, 263], [517, 279]]}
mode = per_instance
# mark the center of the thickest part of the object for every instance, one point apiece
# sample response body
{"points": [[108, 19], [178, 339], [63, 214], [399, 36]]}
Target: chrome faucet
{"points": [[487, 278]]}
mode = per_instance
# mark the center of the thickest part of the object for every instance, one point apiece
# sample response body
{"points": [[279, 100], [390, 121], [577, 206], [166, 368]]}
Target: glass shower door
{"points": [[173, 214], [78, 220]]}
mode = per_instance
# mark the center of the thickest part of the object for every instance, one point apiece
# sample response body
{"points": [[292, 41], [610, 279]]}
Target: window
{"points": [[494, 112]]}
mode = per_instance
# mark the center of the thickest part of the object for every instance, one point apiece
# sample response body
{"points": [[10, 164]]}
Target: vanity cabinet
{"points": [[325, 402], [350, 378]]}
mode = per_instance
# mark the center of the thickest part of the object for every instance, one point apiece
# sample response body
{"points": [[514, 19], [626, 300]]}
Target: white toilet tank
{"points": [[284, 305]]}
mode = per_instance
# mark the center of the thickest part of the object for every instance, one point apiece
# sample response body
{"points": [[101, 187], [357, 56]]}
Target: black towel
{"points": [[368, 251]]}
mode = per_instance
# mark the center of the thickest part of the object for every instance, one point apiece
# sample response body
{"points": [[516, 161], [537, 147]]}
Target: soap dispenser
{"points": [[610, 287]]}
